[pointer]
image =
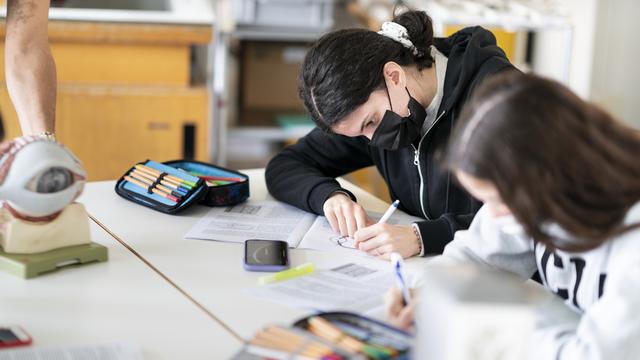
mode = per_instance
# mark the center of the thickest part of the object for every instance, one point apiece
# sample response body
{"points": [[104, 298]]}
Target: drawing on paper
{"points": [[343, 241]]}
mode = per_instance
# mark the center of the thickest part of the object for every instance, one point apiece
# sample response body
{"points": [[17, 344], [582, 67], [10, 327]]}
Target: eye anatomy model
{"points": [[42, 228], [38, 178]]}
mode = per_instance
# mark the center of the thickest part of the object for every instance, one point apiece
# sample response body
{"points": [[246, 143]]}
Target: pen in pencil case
{"points": [[180, 190], [219, 178], [174, 179], [150, 186], [148, 171], [154, 190], [330, 332], [385, 341], [215, 180], [286, 340], [218, 183], [150, 181], [171, 178]]}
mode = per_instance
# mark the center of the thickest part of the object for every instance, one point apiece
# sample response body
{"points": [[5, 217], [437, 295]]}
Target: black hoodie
{"points": [[304, 174]]}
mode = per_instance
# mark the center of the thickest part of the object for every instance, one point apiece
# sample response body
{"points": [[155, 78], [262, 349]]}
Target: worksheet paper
{"points": [[268, 220], [112, 351], [351, 287], [273, 220]]}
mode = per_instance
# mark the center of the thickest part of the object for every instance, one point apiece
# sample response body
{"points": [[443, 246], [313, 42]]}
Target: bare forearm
{"points": [[29, 66], [31, 81]]}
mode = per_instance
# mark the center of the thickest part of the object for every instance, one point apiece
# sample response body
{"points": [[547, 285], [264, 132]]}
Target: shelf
{"points": [[287, 34], [268, 133], [191, 12]]}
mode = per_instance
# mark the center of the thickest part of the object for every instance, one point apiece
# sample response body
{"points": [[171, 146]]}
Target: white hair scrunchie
{"points": [[398, 33]]}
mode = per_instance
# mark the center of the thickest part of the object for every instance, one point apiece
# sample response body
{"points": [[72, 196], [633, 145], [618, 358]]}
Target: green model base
{"points": [[31, 265]]}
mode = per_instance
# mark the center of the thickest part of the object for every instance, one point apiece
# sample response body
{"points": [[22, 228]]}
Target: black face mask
{"points": [[395, 131]]}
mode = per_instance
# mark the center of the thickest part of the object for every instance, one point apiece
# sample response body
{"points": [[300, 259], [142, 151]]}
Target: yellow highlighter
{"points": [[304, 269]]}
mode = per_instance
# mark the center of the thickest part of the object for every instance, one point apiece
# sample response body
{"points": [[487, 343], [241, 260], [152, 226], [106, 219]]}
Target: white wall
{"points": [[605, 55], [616, 65], [550, 48]]}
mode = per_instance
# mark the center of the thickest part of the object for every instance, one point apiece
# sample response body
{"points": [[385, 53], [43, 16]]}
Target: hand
{"points": [[380, 240], [396, 314], [344, 215]]}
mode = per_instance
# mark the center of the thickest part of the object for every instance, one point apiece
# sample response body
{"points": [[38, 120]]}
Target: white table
{"points": [[121, 299], [210, 271]]}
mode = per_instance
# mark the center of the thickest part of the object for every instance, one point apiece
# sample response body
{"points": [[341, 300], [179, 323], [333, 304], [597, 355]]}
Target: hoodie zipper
{"points": [[416, 162]]}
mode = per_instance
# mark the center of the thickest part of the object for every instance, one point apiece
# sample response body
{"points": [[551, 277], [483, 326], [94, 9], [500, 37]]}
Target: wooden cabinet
{"points": [[117, 126], [125, 94]]}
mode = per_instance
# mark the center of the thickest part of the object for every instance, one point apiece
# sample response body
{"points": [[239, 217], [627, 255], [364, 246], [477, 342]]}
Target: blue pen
{"points": [[401, 277], [387, 214]]}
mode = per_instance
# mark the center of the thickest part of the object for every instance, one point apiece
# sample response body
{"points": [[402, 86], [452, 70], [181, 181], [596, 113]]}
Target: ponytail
{"points": [[420, 29]]}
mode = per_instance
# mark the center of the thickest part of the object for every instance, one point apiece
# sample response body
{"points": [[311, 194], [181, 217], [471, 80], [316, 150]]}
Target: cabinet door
{"points": [[111, 128]]}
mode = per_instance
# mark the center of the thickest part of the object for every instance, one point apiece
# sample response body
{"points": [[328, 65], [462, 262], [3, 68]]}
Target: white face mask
{"points": [[42, 179]]}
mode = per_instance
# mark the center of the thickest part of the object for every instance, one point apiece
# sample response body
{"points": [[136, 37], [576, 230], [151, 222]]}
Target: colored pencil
{"points": [[153, 173], [157, 172], [389, 345], [151, 181], [328, 331], [154, 190], [281, 339], [168, 177], [220, 182], [182, 191], [163, 190]]}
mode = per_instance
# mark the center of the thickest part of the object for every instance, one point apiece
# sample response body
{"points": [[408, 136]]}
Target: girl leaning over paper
{"points": [[389, 99], [560, 182]]}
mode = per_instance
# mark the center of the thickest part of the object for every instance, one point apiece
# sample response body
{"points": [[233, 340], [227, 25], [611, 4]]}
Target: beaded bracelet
{"points": [[416, 231]]}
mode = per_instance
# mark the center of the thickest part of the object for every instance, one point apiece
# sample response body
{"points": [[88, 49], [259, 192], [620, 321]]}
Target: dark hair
{"points": [[344, 67], [554, 158]]}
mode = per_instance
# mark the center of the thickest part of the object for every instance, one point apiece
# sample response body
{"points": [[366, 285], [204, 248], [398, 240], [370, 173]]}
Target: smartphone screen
{"points": [[266, 252]]}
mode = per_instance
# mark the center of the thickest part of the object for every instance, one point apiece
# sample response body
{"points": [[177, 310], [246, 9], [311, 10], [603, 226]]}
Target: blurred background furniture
{"points": [[129, 83], [216, 80]]}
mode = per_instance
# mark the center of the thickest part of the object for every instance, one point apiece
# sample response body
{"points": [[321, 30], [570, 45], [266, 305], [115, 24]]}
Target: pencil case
{"points": [[173, 186], [383, 341]]}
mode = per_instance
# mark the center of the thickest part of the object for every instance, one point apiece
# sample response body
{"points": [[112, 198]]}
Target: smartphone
{"points": [[266, 255], [13, 336]]}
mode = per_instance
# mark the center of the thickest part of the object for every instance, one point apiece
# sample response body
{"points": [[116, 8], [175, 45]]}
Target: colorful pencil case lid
{"points": [[225, 187], [171, 188], [369, 331]]}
